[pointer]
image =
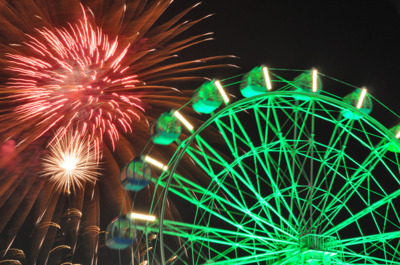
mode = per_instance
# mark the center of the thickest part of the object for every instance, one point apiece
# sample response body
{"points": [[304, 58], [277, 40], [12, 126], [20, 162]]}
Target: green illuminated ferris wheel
{"points": [[293, 176]]}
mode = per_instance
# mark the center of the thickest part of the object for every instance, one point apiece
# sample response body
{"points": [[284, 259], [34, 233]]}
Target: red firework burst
{"points": [[94, 69], [87, 78], [70, 79]]}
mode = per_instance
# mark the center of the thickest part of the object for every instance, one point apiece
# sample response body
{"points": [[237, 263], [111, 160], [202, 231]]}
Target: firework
{"points": [[84, 77], [70, 80], [71, 163], [81, 81]]}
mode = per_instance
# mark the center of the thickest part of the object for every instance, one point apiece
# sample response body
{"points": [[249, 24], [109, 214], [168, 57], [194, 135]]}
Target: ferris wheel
{"points": [[290, 174]]}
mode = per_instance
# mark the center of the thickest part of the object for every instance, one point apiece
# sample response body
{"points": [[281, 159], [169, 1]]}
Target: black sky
{"points": [[355, 41]]}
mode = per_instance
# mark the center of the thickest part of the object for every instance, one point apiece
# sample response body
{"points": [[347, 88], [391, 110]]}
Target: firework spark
{"points": [[71, 163]]}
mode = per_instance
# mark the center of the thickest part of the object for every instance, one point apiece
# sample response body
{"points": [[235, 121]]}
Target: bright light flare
{"points": [[362, 97], [184, 121], [143, 217], [222, 92], [71, 163], [314, 80], [156, 163], [267, 78]]}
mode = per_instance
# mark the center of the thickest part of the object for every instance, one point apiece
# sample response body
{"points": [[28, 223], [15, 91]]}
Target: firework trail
{"points": [[81, 81]]}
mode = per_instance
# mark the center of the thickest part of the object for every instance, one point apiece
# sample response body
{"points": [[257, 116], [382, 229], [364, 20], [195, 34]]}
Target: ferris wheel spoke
{"points": [[200, 233], [251, 259], [275, 165], [280, 202], [366, 199], [181, 242], [179, 255], [381, 237], [322, 204], [207, 160], [268, 159], [356, 258], [244, 178], [236, 130], [335, 152], [371, 139], [329, 166], [267, 131], [363, 137], [270, 210], [264, 223], [304, 114], [217, 239], [385, 163], [232, 144], [241, 176], [292, 161], [311, 179], [353, 183], [233, 132], [220, 181], [289, 123], [375, 246], [296, 187], [261, 121], [369, 209]]}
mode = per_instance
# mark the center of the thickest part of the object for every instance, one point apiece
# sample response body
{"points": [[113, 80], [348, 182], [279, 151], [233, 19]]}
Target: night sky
{"points": [[357, 41], [354, 41]]}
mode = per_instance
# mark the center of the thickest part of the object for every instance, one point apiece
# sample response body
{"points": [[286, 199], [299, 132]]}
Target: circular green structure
{"points": [[288, 181]]}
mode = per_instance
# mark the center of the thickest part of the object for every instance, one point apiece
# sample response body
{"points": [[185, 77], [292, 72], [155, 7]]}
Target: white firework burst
{"points": [[71, 162]]}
